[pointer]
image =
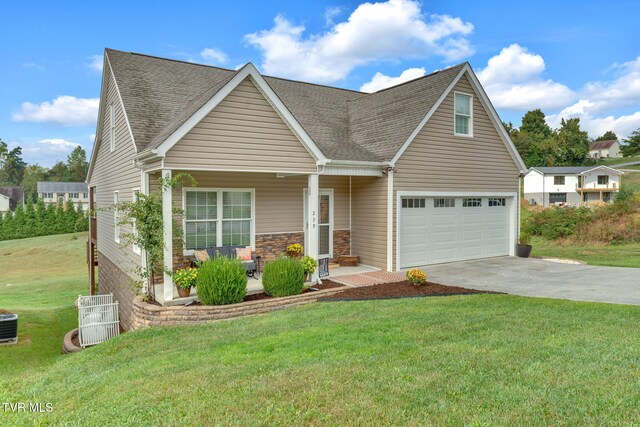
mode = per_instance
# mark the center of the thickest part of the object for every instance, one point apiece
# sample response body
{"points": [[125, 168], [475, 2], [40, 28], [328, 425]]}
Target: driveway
{"points": [[538, 278]]}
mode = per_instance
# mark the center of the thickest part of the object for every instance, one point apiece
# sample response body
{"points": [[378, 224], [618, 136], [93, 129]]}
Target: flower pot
{"points": [[524, 251], [293, 254], [183, 293]]}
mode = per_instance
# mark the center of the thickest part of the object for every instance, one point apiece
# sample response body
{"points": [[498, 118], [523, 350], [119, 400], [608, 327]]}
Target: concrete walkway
{"points": [[540, 278]]}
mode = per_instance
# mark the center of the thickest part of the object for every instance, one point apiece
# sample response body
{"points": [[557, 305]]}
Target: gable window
{"points": [[497, 201], [471, 203], [112, 128], [116, 216], [134, 230], [216, 217], [463, 122], [444, 203], [558, 180], [603, 179]]}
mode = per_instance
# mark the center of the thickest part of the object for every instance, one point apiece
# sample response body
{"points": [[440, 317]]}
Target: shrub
{"points": [[525, 238], [309, 264], [283, 277], [221, 281], [557, 222]]}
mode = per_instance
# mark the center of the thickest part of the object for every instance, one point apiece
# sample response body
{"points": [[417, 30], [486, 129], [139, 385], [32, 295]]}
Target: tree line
{"points": [[14, 171], [36, 219], [539, 145]]}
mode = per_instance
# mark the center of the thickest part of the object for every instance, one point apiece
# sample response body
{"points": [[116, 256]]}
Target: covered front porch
{"points": [[262, 210]]}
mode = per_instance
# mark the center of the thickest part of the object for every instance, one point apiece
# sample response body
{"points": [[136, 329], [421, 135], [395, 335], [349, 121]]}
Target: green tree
{"points": [[573, 143], [33, 174], [608, 136], [50, 227], [77, 165], [8, 230], [534, 139], [534, 123], [11, 165], [19, 223], [41, 219], [58, 172], [631, 146]]}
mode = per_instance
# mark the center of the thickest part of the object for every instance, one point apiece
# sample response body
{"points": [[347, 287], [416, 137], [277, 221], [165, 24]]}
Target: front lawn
{"points": [[463, 360], [40, 278], [627, 255]]}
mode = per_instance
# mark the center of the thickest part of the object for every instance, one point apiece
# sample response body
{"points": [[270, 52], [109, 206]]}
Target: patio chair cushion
{"points": [[244, 253]]}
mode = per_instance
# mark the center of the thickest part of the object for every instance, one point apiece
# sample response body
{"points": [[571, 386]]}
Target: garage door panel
{"points": [[450, 233]]}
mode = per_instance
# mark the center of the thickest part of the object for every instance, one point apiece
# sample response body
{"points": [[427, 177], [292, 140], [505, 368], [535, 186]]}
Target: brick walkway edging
{"points": [[148, 315]]}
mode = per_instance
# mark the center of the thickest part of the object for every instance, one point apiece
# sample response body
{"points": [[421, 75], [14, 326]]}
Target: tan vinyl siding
{"points": [[340, 186], [244, 132], [114, 171], [437, 160], [369, 220]]}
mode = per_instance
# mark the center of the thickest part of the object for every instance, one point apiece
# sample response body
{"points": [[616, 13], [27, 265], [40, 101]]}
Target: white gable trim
{"points": [[103, 91], [263, 86], [488, 107], [619, 172]]}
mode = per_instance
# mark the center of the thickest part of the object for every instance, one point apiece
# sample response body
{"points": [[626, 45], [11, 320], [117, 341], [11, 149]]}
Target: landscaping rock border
{"points": [[149, 315]]}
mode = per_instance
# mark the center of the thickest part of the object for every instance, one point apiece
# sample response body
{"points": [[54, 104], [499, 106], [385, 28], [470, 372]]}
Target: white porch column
{"points": [[167, 219], [144, 189], [313, 234]]}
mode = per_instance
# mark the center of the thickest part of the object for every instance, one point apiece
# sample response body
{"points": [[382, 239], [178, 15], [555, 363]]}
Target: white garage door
{"points": [[443, 229]]}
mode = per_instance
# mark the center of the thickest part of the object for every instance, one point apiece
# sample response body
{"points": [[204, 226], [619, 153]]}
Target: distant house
{"points": [[599, 149], [64, 192], [572, 184], [10, 198]]}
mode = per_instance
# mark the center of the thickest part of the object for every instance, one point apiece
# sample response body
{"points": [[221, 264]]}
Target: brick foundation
{"points": [[341, 243], [112, 279], [270, 246], [148, 315]]}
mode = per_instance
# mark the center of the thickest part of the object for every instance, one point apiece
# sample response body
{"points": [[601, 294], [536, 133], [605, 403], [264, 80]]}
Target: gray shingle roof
{"points": [[62, 187], [160, 94]]}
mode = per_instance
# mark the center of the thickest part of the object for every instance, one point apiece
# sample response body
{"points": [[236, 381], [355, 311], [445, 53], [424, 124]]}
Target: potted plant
{"points": [[295, 250], [185, 279], [417, 276], [309, 265], [524, 248]]}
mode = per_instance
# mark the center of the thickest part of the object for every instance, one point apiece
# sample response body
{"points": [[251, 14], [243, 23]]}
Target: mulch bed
{"points": [[400, 290]]}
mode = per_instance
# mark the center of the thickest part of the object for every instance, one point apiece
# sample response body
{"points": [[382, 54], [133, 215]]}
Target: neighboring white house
{"points": [[64, 192], [4, 203], [599, 149], [572, 184]]}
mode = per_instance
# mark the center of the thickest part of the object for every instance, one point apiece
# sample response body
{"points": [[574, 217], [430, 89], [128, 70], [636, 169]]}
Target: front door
{"points": [[325, 222]]}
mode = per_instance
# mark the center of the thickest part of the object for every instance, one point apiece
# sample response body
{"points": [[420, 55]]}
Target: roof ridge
{"points": [[419, 78]]}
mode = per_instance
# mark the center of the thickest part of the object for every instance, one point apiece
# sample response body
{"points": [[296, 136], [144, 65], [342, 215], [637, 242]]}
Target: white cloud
{"points": [[587, 110], [92, 138], [621, 92], [213, 55], [330, 13], [58, 145], [45, 152], [381, 81], [64, 110], [513, 79], [33, 65], [96, 62], [392, 30]]}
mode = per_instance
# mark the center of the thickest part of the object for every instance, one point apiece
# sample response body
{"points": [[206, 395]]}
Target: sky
{"points": [[570, 59]]}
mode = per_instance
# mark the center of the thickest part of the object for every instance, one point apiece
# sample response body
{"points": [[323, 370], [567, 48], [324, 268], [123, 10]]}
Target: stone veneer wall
{"points": [[112, 279], [341, 243], [148, 315]]}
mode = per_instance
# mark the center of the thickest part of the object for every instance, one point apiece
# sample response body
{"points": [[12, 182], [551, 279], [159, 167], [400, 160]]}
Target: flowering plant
{"points": [[295, 249], [309, 264], [185, 278], [416, 276]]}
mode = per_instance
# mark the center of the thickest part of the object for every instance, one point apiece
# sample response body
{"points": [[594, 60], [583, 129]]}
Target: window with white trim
{"points": [[116, 216], [497, 201], [471, 203], [218, 218], [85, 195], [74, 195], [112, 128], [414, 203], [558, 180], [448, 202], [134, 230], [603, 179], [463, 122], [47, 195]]}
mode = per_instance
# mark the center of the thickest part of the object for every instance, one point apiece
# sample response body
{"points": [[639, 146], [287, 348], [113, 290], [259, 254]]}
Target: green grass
{"points": [[40, 278], [632, 179], [612, 161], [627, 255], [464, 360]]}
